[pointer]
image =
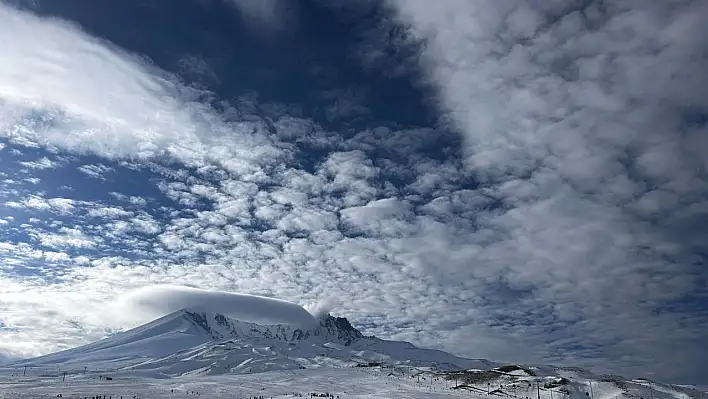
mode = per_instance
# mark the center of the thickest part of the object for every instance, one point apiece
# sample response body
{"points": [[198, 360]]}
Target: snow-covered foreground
{"points": [[342, 382], [346, 382]]}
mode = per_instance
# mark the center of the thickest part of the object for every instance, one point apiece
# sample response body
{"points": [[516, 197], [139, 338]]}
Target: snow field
{"points": [[342, 382]]}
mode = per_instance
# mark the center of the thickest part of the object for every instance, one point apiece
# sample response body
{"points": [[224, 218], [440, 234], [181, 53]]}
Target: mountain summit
{"points": [[220, 327]]}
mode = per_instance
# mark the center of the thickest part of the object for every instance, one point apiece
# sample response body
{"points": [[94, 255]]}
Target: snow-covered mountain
{"points": [[197, 342], [196, 350]]}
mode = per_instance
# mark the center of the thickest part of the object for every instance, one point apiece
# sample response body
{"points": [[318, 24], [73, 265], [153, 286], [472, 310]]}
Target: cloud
{"points": [[386, 217], [68, 238], [322, 308], [159, 300], [57, 205], [133, 199], [109, 212], [42, 163], [95, 171], [47, 76], [266, 16], [346, 104], [587, 160]]}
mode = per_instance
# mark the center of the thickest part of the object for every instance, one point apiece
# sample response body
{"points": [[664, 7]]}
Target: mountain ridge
{"points": [[328, 326]]}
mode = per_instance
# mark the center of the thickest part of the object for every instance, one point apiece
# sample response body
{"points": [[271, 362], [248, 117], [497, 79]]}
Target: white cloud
{"points": [[42, 163], [386, 217], [95, 171], [56, 257], [67, 238], [145, 223], [133, 199], [109, 212], [304, 219], [158, 300], [51, 65], [351, 173], [57, 205]]}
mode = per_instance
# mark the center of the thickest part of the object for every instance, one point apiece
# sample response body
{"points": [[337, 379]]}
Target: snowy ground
{"points": [[347, 382], [342, 382]]}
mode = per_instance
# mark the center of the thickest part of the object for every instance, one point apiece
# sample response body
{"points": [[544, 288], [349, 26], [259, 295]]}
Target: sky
{"points": [[518, 180]]}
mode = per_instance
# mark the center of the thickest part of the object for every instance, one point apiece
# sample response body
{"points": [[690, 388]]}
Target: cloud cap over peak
{"points": [[158, 300]]}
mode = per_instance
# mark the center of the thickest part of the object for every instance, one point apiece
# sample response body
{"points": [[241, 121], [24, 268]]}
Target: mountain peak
{"points": [[219, 327], [341, 328]]}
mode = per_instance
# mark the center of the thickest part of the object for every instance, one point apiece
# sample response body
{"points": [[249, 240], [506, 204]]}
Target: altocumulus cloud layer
{"points": [[534, 190]]}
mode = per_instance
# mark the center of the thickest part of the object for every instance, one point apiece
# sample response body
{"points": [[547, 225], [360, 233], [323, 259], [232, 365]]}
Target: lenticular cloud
{"points": [[64, 88], [158, 300]]}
